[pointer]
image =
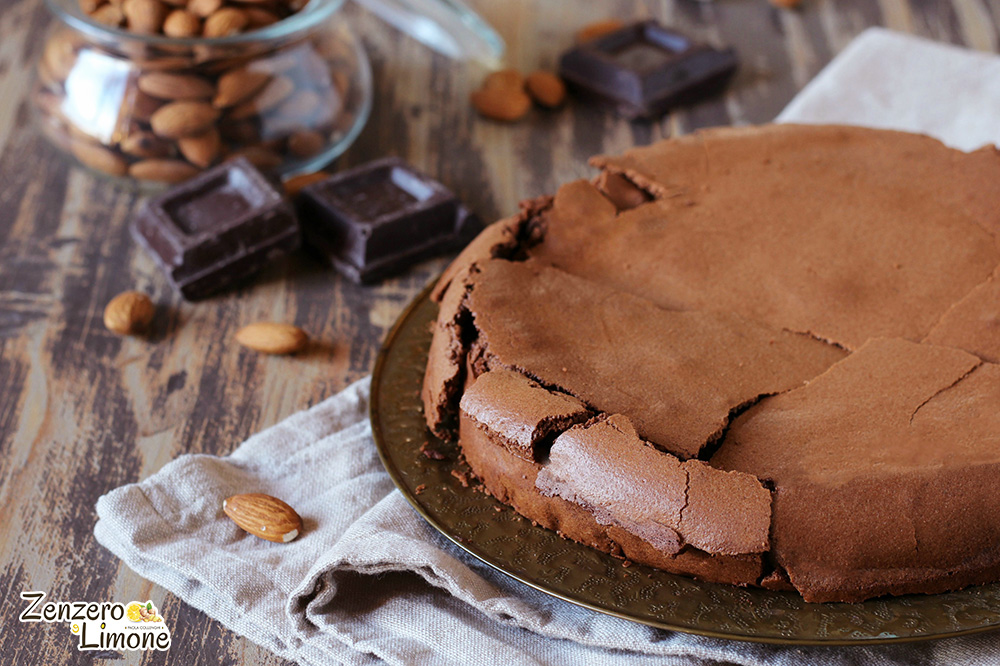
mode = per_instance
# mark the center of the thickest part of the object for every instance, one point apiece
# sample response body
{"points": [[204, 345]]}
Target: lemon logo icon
{"points": [[138, 612], [132, 611]]}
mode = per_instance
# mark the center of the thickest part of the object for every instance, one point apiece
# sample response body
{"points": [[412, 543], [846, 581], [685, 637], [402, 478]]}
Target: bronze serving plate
{"points": [[578, 574]]}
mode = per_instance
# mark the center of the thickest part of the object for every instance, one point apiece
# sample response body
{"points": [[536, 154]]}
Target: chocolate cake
{"points": [[759, 356]]}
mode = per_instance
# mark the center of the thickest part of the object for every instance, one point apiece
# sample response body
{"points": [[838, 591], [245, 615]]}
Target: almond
{"points": [[128, 313], [59, 56], [263, 516], [204, 8], [295, 184], [598, 29], [99, 157], [546, 88], [145, 16], [108, 15], [238, 85], [184, 118], [786, 4], [503, 104], [144, 145], [300, 107], [272, 338], [181, 23], [225, 22], [171, 86], [202, 150], [90, 6], [274, 93], [305, 143], [504, 78], [162, 170]]}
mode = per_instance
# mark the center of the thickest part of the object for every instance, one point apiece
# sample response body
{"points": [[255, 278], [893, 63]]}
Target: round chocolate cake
{"points": [[761, 356]]}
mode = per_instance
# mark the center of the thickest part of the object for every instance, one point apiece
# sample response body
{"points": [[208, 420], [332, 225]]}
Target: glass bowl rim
{"points": [[311, 16]]}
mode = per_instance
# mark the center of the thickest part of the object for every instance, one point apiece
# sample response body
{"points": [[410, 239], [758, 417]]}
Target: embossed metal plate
{"points": [[581, 575]]}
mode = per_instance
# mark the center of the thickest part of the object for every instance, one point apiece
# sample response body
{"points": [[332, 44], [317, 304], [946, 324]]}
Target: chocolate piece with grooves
{"points": [[645, 69], [381, 217], [217, 228]]}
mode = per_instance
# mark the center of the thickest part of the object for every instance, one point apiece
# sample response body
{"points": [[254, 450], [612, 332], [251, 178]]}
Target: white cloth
{"points": [[369, 581], [889, 80]]}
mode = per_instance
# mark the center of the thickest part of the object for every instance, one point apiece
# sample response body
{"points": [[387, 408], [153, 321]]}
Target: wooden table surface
{"points": [[83, 411]]}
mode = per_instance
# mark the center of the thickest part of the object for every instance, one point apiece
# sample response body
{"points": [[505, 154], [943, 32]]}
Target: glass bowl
{"points": [[152, 109]]}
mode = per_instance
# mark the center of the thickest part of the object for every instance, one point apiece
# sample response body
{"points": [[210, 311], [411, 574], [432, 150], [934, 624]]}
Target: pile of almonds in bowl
{"points": [[151, 107], [189, 18]]}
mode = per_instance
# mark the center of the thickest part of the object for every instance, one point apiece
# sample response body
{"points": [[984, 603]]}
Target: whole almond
{"points": [[184, 118], [90, 6], [204, 8], [162, 170], [503, 104], [59, 56], [145, 16], [202, 150], [295, 184], [172, 86], [274, 93], [504, 78], [128, 313], [238, 85], [161, 63], [786, 4], [226, 21], [181, 23], [272, 338], [108, 15], [263, 516], [281, 62], [301, 106], [546, 88], [100, 158], [598, 29], [305, 143], [145, 145]]}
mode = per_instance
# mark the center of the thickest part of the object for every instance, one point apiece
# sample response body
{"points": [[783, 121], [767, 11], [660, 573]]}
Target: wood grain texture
{"points": [[83, 411]]}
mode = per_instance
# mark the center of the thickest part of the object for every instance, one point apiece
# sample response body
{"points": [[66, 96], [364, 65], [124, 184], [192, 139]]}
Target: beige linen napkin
{"points": [[370, 582]]}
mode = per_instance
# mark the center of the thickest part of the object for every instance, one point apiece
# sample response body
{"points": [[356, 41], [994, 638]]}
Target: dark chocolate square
{"points": [[217, 228], [645, 69], [378, 218]]}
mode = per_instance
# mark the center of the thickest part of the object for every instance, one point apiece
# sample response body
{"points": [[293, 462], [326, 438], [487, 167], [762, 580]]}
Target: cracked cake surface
{"points": [[760, 356]]}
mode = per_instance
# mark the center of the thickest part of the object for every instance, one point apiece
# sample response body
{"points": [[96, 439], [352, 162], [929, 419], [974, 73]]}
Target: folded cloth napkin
{"points": [[370, 582]]}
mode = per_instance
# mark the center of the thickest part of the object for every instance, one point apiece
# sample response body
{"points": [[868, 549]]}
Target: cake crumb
{"points": [[462, 476], [432, 453]]}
